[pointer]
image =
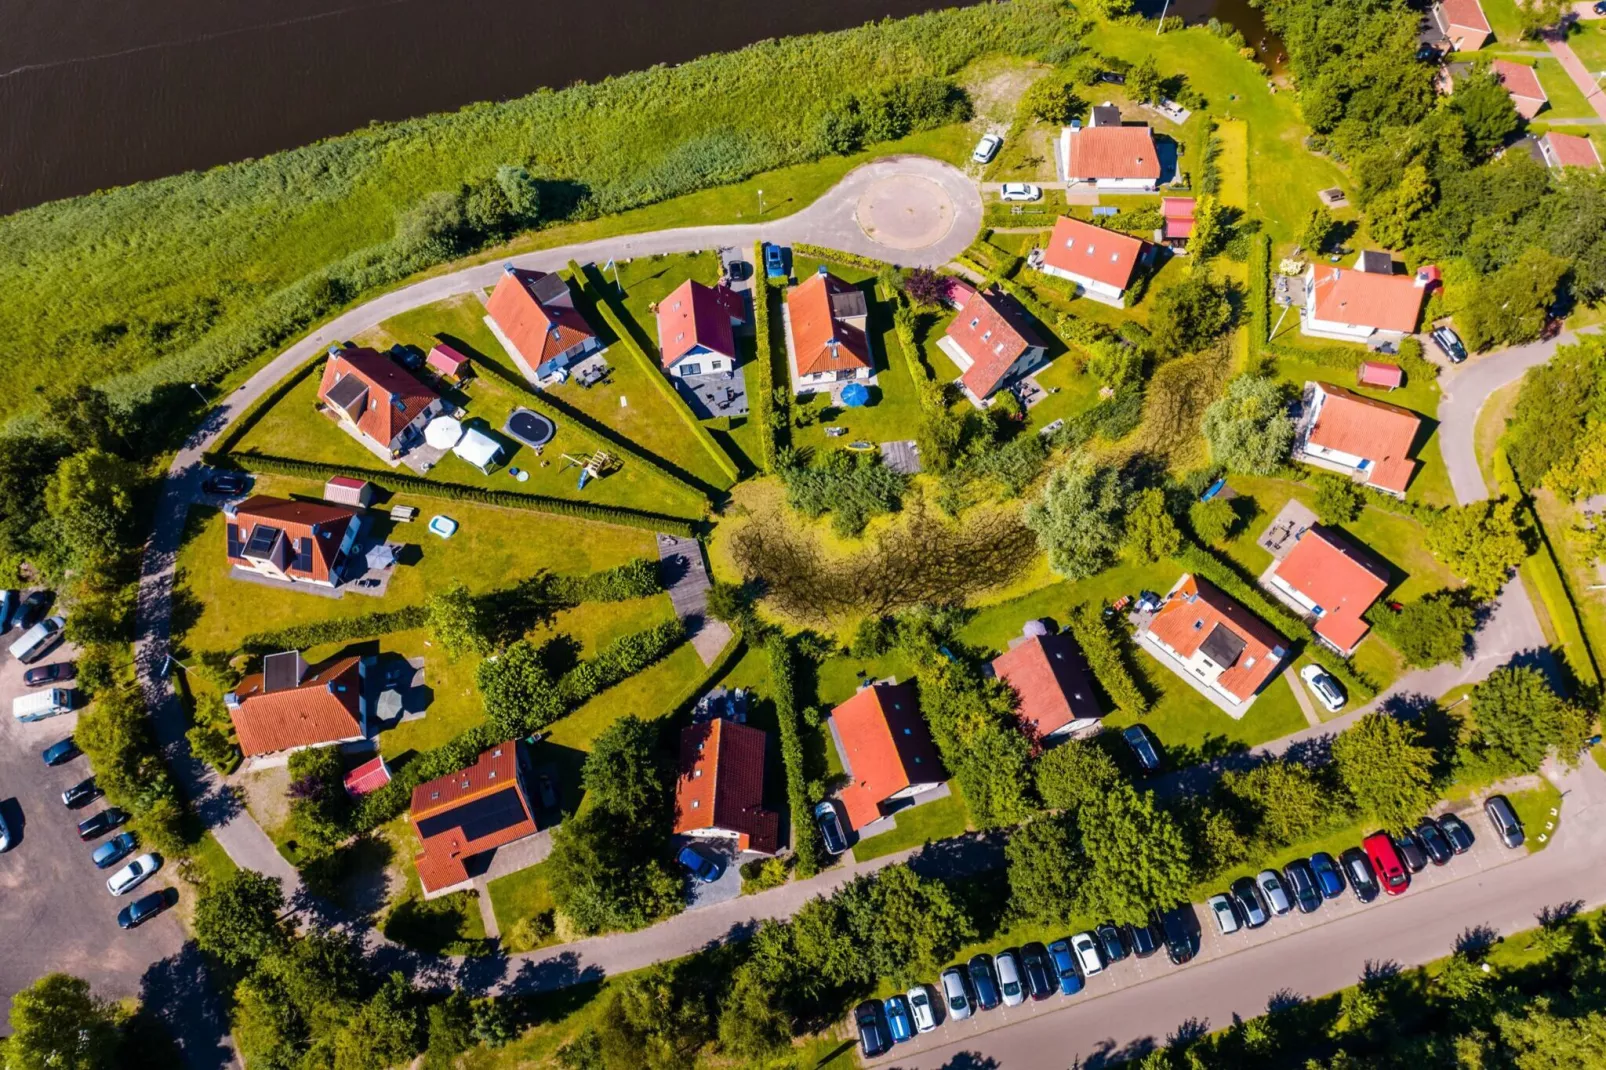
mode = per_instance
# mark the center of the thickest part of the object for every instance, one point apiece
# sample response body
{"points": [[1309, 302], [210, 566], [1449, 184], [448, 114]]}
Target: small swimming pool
{"points": [[530, 428]]}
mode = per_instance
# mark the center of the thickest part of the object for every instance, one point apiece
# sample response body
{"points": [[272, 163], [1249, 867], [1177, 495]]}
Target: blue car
{"points": [[1328, 878], [774, 262], [114, 850], [899, 1023], [1059, 952], [704, 869], [60, 753]]}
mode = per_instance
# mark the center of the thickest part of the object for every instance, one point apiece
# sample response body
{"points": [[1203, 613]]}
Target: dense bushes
{"points": [[637, 578], [805, 836], [337, 630], [1102, 646], [770, 408], [853, 487], [886, 113], [619, 660], [115, 734]]}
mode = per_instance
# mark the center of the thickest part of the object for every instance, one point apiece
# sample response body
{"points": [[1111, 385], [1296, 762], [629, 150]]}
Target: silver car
{"points": [[1008, 966], [133, 875], [1225, 913], [1271, 888], [1086, 950], [956, 993], [920, 1009]]}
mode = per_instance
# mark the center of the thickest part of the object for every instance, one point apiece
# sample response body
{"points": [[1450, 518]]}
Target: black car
{"points": [[1449, 343], [872, 1034], [1143, 748], [1302, 885], [1034, 963], [1434, 842], [33, 609], [142, 910], [984, 982], [1250, 906], [48, 674], [1179, 927], [1362, 877], [1111, 942], [1142, 939], [1456, 831], [830, 826], [1411, 852], [226, 484], [97, 825], [61, 753], [84, 791]]}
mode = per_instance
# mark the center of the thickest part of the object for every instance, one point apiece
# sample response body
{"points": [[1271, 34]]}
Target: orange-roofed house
{"points": [[1366, 439], [377, 400], [886, 751], [1360, 303], [1522, 82], [463, 816], [1568, 150], [1333, 581], [1047, 672], [1100, 262], [1462, 23], [290, 704], [991, 341], [1108, 155], [1217, 644], [532, 315], [694, 328], [825, 333], [719, 791], [293, 541]]}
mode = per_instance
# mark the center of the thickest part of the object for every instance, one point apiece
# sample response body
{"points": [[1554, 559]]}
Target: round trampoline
{"points": [[530, 428]]}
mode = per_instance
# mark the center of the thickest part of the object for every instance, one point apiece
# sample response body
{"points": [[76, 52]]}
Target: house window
{"points": [[975, 322], [691, 369], [714, 365]]}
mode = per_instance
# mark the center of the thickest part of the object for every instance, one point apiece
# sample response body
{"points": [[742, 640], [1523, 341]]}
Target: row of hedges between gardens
{"points": [[838, 256], [1259, 298], [339, 630], [805, 836], [762, 400], [1101, 647], [602, 299], [637, 578], [505, 499]]}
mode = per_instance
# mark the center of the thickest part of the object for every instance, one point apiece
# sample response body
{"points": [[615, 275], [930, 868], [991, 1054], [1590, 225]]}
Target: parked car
{"points": [[1064, 963], [1179, 928], [1410, 851], [1020, 191], [983, 982], [1449, 343], [1010, 985], [699, 865], [8, 609], [38, 640], [85, 791], [1362, 881], [1386, 862], [33, 609], [1328, 876], [1225, 913], [142, 910], [1301, 884], [1250, 905], [48, 674], [1434, 841], [1111, 945], [900, 1027], [97, 825], [830, 824], [1143, 939], [1144, 750], [987, 148], [1504, 820], [872, 1036], [114, 850], [5, 834], [61, 752], [774, 262], [1600, 7], [920, 1009], [133, 875], [1457, 832], [1034, 964], [226, 484], [1274, 892], [956, 993], [1086, 950], [1324, 687]]}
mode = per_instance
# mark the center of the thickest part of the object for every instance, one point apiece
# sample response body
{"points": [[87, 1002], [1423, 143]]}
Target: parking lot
{"points": [[1486, 854]]}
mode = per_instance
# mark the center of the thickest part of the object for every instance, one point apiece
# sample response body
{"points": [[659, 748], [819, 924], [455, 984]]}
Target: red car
{"points": [[1385, 859]]}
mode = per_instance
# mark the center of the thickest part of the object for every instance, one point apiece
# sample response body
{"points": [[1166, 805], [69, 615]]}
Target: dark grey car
{"points": [[1302, 886], [1250, 906]]}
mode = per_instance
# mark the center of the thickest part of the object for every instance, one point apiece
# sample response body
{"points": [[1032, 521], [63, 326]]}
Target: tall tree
{"points": [[1077, 517], [1384, 765], [1044, 862], [1137, 857], [1519, 714], [1191, 314], [1481, 543], [238, 918], [456, 622], [1249, 429], [1151, 534], [58, 1024], [625, 773], [90, 500], [1511, 306], [1486, 111]]}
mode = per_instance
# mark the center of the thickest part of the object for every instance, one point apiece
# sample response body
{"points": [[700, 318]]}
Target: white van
{"points": [[38, 640], [41, 704]]}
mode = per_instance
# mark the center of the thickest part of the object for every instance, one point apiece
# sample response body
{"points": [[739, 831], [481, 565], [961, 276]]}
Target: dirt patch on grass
{"points": [[996, 87], [267, 795]]}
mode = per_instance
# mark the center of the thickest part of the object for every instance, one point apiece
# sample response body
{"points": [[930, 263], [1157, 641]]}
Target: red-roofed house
{"points": [[462, 815], [532, 314], [1108, 155], [825, 336], [1333, 581], [694, 328], [1568, 150], [1100, 262], [290, 705], [377, 399], [885, 748], [1049, 674], [1356, 303], [720, 788], [991, 341], [1462, 23], [368, 777], [1177, 227], [1366, 439], [1211, 640], [291, 541], [1522, 82]]}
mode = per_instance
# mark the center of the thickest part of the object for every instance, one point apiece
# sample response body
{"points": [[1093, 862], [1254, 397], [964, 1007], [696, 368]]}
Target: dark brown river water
{"points": [[99, 93]]}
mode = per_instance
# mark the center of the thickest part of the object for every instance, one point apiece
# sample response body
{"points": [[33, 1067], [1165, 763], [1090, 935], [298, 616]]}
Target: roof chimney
{"points": [[821, 270]]}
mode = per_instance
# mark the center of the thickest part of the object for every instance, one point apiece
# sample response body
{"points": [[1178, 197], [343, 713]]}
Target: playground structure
{"points": [[597, 465]]}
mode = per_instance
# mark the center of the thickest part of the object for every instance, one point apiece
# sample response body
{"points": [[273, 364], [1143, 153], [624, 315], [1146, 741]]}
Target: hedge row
{"points": [[1040, 312], [764, 400], [637, 578], [506, 499], [620, 660], [1099, 646], [1259, 299], [805, 836], [839, 256], [339, 630], [1202, 562], [252, 415], [602, 299]]}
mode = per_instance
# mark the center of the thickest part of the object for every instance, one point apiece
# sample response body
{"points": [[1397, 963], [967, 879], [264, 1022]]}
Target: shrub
{"points": [[1212, 521], [1104, 648], [805, 836], [637, 578], [1338, 499], [339, 630], [1429, 631]]}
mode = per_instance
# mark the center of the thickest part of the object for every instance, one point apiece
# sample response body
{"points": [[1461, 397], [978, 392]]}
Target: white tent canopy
{"points": [[478, 449], [443, 432]]}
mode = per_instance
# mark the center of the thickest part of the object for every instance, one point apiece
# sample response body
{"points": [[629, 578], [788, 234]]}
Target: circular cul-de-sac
{"points": [[905, 212]]}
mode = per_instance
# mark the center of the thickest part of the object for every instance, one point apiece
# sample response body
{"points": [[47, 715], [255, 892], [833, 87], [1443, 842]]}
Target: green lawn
{"points": [[940, 820], [516, 897], [1534, 808], [449, 925], [1558, 518], [1566, 102], [1588, 41], [1503, 20]]}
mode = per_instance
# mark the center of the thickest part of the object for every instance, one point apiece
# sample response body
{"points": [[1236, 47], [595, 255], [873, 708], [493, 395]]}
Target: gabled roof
{"points": [[1380, 373], [1093, 252], [314, 531], [1198, 618], [885, 748], [467, 813], [322, 708], [368, 777], [1465, 14], [394, 396], [1048, 673], [1111, 152], [1380, 432], [1339, 578], [1519, 79], [994, 331], [1178, 215], [1367, 299], [446, 360], [1569, 150], [823, 340], [697, 315], [536, 313], [721, 784]]}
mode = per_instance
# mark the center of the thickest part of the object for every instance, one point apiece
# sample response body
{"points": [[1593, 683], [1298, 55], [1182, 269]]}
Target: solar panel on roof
{"points": [[478, 818], [303, 558]]}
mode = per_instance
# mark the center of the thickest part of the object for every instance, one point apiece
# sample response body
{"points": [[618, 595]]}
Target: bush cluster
{"points": [[769, 405], [338, 630], [637, 578], [805, 836], [1102, 646]]}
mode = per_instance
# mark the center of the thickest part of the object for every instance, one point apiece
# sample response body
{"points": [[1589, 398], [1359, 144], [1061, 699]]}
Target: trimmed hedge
{"points": [[771, 409], [1099, 645], [620, 660], [633, 579], [838, 256], [250, 417], [602, 300], [339, 630], [506, 499], [805, 836], [1259, 299]]}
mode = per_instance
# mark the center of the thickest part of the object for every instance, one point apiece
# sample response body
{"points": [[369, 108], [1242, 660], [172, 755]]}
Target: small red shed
{"points": [[1380, 373], [444, 360], [367, 777]]}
